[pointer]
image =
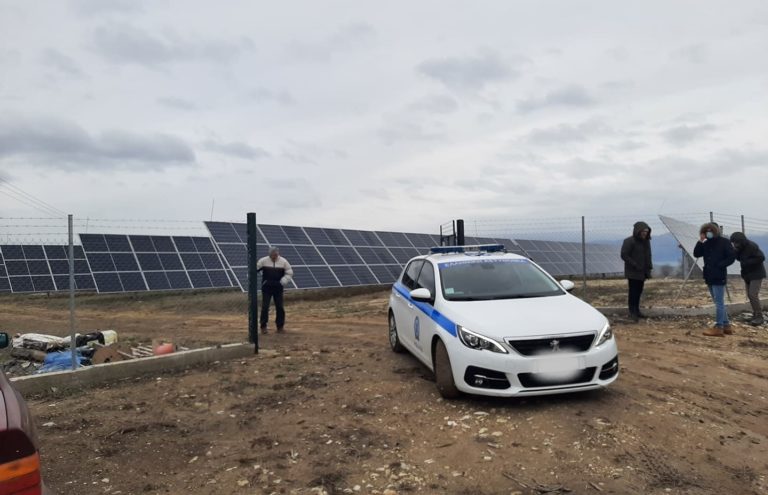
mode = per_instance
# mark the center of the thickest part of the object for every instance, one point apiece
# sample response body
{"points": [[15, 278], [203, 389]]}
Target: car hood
{"points": [[532, 317]]}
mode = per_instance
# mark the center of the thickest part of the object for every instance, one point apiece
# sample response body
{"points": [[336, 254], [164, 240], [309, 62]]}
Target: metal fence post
{"points": [[253, 286], [583, 257], [72, 341], [459, 232], [743, 230]]}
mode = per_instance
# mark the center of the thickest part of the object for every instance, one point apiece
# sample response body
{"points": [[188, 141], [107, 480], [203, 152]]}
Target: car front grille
{"points": [[549, 345], [531, 380]]}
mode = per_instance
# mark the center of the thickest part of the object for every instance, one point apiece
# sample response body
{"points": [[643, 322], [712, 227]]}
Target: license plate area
{"points": [[557, 365]]}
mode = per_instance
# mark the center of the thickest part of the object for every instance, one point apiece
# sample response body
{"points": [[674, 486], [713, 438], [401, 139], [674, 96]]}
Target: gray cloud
{"points": [[568, 96], [695, 54], [685, 134], [568, 133], [404, 131], [472, 72], [439, 104], [63, 144], [100, 7], [264, 95], [64, 64], [629, 145], [237, 149], [294, 193], [123, 44], [347, 37], [178, 103]]}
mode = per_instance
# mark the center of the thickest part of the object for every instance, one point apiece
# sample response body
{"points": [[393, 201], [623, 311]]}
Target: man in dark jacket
{"points": [[718, 255], [752, 262], [636, 253], [276, 273]]}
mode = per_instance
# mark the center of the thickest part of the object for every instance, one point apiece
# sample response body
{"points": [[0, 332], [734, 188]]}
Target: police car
{"points": [[490, 322]]}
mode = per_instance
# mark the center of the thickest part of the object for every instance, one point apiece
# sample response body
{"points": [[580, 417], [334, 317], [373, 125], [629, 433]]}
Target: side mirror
{"points": [[421, 295], [567, 285], [4, 340]]}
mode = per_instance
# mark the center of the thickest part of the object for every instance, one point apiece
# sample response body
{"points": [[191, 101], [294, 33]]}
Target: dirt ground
{"points": [[328, 408]]}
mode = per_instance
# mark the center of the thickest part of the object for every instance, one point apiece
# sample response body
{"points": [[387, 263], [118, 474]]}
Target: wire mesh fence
{"points": [[598, 239]]}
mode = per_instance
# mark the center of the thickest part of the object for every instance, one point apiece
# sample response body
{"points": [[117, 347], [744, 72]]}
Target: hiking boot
{"points": [[727, 329], [716, 331], [641, 315], [634, 318], [757, 321], [280, 330], [263, 329]]}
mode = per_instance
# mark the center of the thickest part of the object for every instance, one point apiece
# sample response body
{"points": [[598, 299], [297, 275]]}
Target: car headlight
{"points": [[478, 342], [605, 335]]}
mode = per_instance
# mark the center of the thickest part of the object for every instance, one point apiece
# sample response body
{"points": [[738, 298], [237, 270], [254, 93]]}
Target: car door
{"points": [[423, 324], [403, 307]]}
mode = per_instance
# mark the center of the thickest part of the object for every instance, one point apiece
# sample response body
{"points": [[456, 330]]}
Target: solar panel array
{"points": [[128, 263], [323, 257], [687, 235], [41, 268], [565, 258]]}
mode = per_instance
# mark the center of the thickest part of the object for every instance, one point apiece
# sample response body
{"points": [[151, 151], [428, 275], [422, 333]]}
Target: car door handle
{"points": [[410, 305]]}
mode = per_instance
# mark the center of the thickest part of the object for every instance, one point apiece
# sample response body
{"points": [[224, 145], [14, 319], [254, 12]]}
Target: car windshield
{"points": [[486, 279]]}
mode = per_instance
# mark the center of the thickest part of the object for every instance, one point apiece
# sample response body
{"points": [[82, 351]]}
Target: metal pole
{"points": [[583, 257], [711, 217], [253, 286], [459, 232], [743, 230], [72, 341]]}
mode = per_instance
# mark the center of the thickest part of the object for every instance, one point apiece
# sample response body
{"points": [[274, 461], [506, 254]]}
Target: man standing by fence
{"points": [[718, 255], [752, 262], [276, 273], [636, 253]]}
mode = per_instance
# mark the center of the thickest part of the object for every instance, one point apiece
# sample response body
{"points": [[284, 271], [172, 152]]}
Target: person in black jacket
{"points": [[752, 262], [718, 255], [636, 253], [276, 273]]}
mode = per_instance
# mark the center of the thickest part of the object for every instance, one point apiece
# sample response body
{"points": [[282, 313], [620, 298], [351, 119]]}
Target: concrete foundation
{"points": [[91, 376]]}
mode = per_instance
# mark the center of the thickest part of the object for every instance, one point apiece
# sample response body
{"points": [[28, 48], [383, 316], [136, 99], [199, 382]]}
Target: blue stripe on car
{"points": [[428, 310]]}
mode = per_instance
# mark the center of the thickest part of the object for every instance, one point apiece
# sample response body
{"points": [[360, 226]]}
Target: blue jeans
{"points": [[718, 297]]}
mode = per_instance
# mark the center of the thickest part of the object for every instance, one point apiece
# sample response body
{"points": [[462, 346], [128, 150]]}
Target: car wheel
{"points": [[443, 373], [394, 340]]}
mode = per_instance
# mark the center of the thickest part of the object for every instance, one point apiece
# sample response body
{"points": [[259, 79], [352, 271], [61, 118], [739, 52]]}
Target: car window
{"points": [[485, 279], [411, 274], [427, 278]]}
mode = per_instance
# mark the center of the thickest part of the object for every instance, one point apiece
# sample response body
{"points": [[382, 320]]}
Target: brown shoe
{"points": [[728, 329], [713, 332]]}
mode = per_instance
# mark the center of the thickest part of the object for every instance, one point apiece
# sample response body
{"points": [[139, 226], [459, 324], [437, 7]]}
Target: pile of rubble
{"points": [[40, 353]]}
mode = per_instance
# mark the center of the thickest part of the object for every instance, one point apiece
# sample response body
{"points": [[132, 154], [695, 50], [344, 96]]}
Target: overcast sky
{"points": [[396, 115]]}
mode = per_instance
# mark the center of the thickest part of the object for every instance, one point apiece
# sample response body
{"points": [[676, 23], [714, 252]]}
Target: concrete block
{"points": [[91, 376]]}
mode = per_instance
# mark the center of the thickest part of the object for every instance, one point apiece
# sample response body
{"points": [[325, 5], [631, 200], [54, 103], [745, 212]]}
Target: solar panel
{"points": [[687, 235], [41, 268], [135, 263], [323, 257], [563, 258]]}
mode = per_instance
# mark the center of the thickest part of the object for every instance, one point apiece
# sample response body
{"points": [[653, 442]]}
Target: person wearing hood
{"points": [[752, 262], [636, 253], [718, 255]]}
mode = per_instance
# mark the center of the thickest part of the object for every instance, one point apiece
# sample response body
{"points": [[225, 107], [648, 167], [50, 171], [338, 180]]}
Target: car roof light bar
{"points": [[483, 248]]}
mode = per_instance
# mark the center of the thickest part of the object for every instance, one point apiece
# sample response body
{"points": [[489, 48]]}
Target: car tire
{"points": [[444, 373], [394, 339]]}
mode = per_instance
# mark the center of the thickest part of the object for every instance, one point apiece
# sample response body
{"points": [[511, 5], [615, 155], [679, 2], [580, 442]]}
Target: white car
{"points": [[489, 322]]}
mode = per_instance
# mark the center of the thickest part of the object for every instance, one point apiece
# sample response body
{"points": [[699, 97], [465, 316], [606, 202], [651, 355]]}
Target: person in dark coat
{"points": [[276, 273], [636, 253], [718, 255], [752, 262]]}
